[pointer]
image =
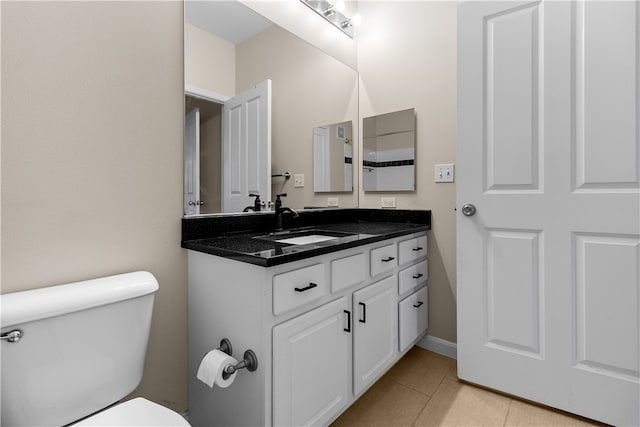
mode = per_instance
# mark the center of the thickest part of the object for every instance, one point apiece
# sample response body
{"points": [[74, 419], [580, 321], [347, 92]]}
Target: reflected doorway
{"points": [[202, 163]]}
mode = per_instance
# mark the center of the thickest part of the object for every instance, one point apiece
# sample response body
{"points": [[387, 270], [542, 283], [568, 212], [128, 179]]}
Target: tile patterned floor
{"points": [[422, 389]]}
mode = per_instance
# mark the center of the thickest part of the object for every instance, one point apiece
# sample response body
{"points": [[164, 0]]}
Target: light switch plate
{"points": [[388, 202], [444, 173], [333, 201], [298, 180]]}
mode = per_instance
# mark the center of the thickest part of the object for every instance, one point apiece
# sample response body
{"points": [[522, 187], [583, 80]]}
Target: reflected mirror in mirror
{"points": [[333, 158], [389, 144], [309, 87]]}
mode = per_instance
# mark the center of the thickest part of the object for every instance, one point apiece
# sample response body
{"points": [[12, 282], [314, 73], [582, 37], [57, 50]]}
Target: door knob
{"points": [[468, 209]]}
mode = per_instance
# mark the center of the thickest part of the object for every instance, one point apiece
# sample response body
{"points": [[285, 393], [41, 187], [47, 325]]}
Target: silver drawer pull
{"points": [[417, 276], [418, 304], [417, 249], [388, 259], [306, 288]]}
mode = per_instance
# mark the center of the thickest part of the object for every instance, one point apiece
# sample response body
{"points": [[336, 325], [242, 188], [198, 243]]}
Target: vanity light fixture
{"points": [[332, 12]]}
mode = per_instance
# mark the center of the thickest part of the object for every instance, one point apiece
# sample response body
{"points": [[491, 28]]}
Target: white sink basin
{"points": [[305, 240]]}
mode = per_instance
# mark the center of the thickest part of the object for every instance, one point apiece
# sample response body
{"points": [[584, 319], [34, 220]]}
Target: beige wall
{"points": [[297, 18], [407, 58], [209, 62], [92, 113]]}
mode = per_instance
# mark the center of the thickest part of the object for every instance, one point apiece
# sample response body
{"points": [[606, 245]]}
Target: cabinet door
{"points": [[413, 317], [310, 366], [375, 331]]}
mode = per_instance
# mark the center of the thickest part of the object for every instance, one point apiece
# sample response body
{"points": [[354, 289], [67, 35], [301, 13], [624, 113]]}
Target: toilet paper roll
{"points": [[211, 370]]}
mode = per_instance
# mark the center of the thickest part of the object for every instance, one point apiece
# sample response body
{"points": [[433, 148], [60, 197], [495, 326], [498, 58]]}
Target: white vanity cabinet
{"points": [[323, 329]]}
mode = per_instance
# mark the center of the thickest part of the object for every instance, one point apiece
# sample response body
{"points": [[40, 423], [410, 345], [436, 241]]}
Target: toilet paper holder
{"points": [[249, 360]]}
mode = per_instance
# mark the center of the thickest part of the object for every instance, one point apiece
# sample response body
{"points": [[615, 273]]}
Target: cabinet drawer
{"points": [[412, 277], [413, 318], [412, 249], [383, 259], [347, 272], [298, 287]]}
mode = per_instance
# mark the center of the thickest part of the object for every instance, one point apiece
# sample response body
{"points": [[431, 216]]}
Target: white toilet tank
{"points": [[82, 348]]}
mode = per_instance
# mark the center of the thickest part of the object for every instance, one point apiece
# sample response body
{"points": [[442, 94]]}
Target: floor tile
{"points": [[386, 403], [525, 414], [421, 370], [452, 373], [422, 389], [459, 404]]}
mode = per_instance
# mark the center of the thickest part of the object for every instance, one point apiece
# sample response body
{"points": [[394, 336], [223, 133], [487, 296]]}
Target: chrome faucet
{"points": [[280, 211]]}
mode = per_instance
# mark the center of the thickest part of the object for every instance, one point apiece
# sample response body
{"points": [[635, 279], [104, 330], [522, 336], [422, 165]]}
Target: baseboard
{"points": [[440, 346]]}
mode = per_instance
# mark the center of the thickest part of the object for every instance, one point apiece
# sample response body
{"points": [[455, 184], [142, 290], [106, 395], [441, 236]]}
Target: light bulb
{"points": [[339, 5], [356, 20]]}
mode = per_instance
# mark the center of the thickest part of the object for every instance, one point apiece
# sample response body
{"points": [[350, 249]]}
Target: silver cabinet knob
{"points": [[468, 209]]}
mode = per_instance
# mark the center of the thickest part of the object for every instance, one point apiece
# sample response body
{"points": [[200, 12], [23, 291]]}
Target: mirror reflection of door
{"points": [[191, 163], [321, 159], [224, 163], [246, 147], [202, 148]]}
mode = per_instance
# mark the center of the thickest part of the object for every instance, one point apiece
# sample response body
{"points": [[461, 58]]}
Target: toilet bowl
{"points": [[69, 352]]}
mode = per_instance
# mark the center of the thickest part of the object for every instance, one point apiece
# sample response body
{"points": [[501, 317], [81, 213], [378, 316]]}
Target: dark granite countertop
{"points": [[250, 238]]}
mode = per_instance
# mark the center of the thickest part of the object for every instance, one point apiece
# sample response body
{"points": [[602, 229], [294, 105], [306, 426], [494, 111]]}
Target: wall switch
{"points": [[444, 173], [333, 201], [388, 202], [298, 180]]}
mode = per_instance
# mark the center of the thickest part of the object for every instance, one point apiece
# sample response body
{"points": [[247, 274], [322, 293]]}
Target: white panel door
{"points": [[375, 337], [192, 163], [321, 159], [246, 148], [548, 153], [310, 369]]}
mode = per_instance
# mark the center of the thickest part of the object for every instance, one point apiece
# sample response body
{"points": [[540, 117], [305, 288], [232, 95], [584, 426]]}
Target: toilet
{"points": [[71, 352]]}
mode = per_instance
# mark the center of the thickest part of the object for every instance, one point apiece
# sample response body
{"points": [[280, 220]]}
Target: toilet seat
{"points": [[136, 412]]}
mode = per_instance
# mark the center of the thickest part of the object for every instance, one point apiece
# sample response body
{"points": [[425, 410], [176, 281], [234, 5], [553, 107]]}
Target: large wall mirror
{"points": [[228, 49], [389, 145]]}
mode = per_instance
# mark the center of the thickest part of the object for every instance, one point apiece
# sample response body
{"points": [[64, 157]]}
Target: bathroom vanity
{"points": [[327, 308]]}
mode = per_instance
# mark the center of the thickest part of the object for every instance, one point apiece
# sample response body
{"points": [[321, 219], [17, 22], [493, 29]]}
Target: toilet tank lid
{"points": [[27, 306]]}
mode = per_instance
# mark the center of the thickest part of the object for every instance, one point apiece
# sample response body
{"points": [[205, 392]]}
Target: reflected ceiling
{"points": [[228, 20]]}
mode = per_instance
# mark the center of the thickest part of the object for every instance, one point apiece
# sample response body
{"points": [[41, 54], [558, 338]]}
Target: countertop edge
{"points": [[296, 256]]}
